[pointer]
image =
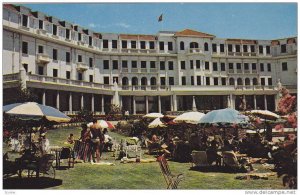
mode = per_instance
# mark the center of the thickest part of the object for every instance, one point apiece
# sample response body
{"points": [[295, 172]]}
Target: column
{"points": [[265, 101], [134, 106], [81, 101], [93, 103], [277, 98], [255, 106], [159, 104], [57, 100], [147, 105], [102, 104], [233, 101], [244, 98], [172, 106], [44, 97], [175, 102], [228, 101], [194, 107], [70, 102]]}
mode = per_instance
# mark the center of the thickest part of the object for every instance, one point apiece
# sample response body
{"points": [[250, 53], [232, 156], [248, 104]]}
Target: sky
{"points": [[224, 20]]}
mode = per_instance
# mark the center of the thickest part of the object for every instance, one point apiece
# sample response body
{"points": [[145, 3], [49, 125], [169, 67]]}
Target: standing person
{"points": [[86, 144], [97, 138], [126, 115], [107, 141]]}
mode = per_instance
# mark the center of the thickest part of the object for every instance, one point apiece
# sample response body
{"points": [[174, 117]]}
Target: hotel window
{"points": [[162, 65], [283, 48], [40, 49], [124, 44], [91, 78], [124, 64], [262, 81], [114, 44], [206, 65], [191, 64], [115, 65], [246, 66], [133, 44], [24, 20], [268, 49], [162, 81], [192, 80], [207, 79], [198, 66], [41, 24], [262, 67], [284, 66], [252, 47], [245, 48], [183, 81], [54, 54], [170, 46], [261, 50], [54, 30], [237, 48], [269, 67], [79, 36], [171, 80], [68, 57], [238, 66], [79, 76], [171, 65], [161, 45], [68, 74], [253, 66], [222, 48], [106, 64], [106, 80], [229, 48], [54, 72], [216, 82], [215, 66], [205, 46], [181, 45], [143, 44], [91, 62], [79, 58], [223, 80], [67, 33], [133, 64], [41, 70], [198, 80], [182, 65], [270, 83], [222, 66], [25, 67], [24, 47], [143, 64], [151, 44], [214, 47], [90, 41], [105, 43], [230, 66], [152, 64]]}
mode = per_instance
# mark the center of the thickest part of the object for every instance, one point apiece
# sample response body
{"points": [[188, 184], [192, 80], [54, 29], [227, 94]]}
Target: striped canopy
{"points": [[35, 111], [105, 124]]}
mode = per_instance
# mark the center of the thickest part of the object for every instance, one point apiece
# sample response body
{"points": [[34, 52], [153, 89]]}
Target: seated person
{"points": [[70, 139], [107, 141], [227, 146], [212, 155], [45, 145], [154, 143]]}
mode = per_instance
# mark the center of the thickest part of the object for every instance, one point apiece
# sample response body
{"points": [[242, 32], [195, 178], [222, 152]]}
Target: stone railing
{"points": [[11, 77]]}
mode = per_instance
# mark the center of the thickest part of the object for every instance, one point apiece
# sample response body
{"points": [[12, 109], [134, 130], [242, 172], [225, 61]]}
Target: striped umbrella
{"points": [[105, 124], [35, 111]]}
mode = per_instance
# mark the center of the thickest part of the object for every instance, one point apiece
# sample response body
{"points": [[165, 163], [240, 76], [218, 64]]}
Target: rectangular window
{"points": [[245, 48], [238, 66], [215, 66], [79, 76], [151, 44], [284, 66], [79, 58], [106, 64], [216, 81], [41, 70], [24, 20], [162, 81], [133, 64], [143, 44], [40, 49], [54, 72], [230, 48], [260, 49], [68, 57], [91, 62], [253, 66], [68, 74], [270, 83], [269, 67], [133, 44], [192, 80], [283, 48], [237, 48], [114, 44], [268, 49], [207, 79], [124, 64], [143, 64], [162, 65], [191, 64], [54, 30], [206, 65], [262, 81], [222, 66], [246, 66], [170, 46], [198, 64], [214, 48], [25, 67], [171, 80], [90, 41], [41, 24], [223, 80], [161, 45], [230, 66], [198, 80], [222, 48], [54, 54], [152, 64], [105, 43], [182, 65], [171, 65], [24, 47], [91, 78], [183, 81], [124, 44], [252, 47], [79, 37], [67, 33], [106, 80], [262, 67], [115, 65]]}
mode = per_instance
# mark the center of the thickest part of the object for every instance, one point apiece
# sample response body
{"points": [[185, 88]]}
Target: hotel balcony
{"points": [[195, 50], [81, 67], [43, 59], [41, 31]]}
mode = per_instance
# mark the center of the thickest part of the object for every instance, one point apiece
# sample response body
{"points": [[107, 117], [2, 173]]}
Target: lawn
{"points": [[146, 175]]}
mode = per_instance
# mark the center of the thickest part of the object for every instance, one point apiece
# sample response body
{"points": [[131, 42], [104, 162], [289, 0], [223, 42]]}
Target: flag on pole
{"points": [[160, 18]]}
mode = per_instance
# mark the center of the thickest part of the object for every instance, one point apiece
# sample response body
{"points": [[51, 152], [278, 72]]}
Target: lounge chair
{"points": [[199, 159], [230, 160]]}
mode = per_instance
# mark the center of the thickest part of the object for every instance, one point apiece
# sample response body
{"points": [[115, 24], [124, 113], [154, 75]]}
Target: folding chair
{"points": [[67, 153]]}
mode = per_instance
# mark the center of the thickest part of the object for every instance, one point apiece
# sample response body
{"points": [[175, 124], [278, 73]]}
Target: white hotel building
{"points": [[71, 68]]}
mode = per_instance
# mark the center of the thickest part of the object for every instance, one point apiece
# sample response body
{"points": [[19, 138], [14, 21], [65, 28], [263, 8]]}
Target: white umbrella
{"points": [[156, 123], [189, 117], [153, 115]]}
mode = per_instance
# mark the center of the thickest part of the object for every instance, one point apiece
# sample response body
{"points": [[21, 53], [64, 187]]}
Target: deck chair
{"points": [[199, 159], [171, 180], [230, 160], [67, 153]]}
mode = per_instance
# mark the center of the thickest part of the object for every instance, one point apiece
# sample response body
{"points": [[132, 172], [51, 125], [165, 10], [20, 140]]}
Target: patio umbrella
{"points": [[153, 115], [189, 117], [265, 114], [156, 123], [105, 124]]}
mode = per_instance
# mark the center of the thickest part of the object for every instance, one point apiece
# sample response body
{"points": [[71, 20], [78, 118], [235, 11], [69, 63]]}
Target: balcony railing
{"points": [[195, 50], [153, 69], [230, 70], [134, 70], [11, 77], [81, 66], [43, 58], [144, 70], [124, 69]]}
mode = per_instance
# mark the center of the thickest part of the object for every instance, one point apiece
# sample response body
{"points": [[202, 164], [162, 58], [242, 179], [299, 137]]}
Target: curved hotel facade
{"points": [[70, 67]]}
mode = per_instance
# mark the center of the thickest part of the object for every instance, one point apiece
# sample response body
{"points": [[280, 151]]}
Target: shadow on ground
{"points": [[218, 169], [30, 183]]}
